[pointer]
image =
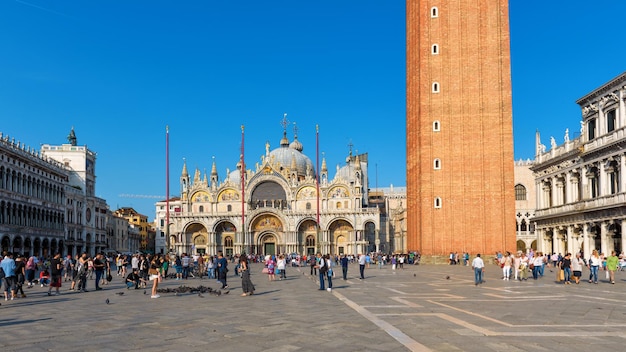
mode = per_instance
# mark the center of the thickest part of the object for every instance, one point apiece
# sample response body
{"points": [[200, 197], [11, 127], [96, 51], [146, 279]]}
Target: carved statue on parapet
{"points": [[582, 127], [552, 143], [541, 148], [566, 138]]}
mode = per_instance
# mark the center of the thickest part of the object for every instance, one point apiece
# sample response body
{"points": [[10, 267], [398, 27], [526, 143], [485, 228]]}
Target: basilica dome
{"points": [[288, 154]]}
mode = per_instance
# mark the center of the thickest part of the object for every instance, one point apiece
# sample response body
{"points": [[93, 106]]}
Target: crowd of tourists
{"points": [[568, 268]]}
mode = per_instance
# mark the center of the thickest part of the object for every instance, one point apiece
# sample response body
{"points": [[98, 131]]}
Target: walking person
{"points": [[329, 272], [507, 261], [68, 266], [56, 271], [322, 268], [537, 263], [577, 267], [155, 276], [313, 264], [612, 262], [20, 270], [222, 269], [594, 265], [98, 267], [246, 284], [566, 266], [8, 266], [362, 262], [281, 265], [479, 269], [81, 272], [185, 262], [271, 265], [344, 266]]}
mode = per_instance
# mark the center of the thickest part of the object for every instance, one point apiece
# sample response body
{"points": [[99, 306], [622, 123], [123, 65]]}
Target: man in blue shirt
{"points": [[222, 269], [8, 266], [344, 266]]}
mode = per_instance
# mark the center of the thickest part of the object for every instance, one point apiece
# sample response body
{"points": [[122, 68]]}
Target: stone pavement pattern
{"points": [[421, 308]]}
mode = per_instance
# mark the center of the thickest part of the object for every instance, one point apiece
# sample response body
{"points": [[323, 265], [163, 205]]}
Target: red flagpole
{"points": [[167, 189], [317, 178], [243, 190]]}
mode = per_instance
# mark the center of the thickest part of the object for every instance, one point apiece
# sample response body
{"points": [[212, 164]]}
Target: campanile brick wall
{"points": [[475, 141]]}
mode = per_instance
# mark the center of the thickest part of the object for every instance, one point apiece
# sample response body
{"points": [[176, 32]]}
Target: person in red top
{"points": [[44, 277]]}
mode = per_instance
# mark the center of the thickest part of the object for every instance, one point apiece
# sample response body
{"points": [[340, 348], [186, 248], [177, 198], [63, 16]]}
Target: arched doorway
{"points": [[223, 231], [265, 228], [521, 245], [196, 238], [27, 247], [5, 243], [45, 248], [341, 245], [342, 228], [37, 247], [268, 244], [17, 245], [307, 234]]}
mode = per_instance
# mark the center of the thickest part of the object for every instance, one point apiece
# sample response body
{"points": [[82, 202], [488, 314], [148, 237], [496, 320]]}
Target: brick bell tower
{"points": [[460, 163]]}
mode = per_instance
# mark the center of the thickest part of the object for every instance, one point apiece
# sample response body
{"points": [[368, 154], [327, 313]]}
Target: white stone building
{"points": [[86, 216], [581, 198], [32, 200]]}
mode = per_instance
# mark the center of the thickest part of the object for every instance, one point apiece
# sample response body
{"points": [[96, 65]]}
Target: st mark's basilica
{"points": [[279, 212]]}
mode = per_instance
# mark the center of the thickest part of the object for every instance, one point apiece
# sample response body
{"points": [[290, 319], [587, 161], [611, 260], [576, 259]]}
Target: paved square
{"points": [[421, 308]]}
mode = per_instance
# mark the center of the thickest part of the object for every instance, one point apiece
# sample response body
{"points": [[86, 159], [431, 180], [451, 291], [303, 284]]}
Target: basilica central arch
{"points": [[267, 234]]}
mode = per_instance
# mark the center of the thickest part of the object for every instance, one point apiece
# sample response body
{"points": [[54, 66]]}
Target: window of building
{"points": [[523, 226], [435, 87], [437, 164], [591, 129], [520, 192], [593, 185], [435, 49], [610, 121], [201, 209], [434, 12], [437, 203], [308, 206], [229, 208], [436, 126], [228, 242]]}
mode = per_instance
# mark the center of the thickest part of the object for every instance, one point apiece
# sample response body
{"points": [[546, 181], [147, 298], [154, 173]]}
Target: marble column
{"points": [[575, 188], [586, 194], [586, 248], [602, 180], [569, 195], [604, 237], [570, 239], [622, 173], [621, 119], [623, 224]]}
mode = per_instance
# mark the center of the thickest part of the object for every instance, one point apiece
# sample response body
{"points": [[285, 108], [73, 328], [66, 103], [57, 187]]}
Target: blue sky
{"points": [[120, 71]]}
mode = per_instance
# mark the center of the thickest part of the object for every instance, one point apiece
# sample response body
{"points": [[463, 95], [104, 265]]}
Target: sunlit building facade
{"points": [[580, 184]]}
